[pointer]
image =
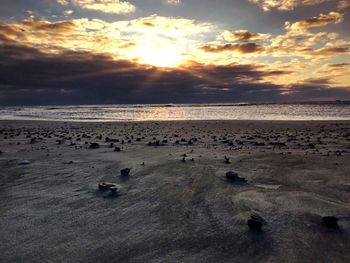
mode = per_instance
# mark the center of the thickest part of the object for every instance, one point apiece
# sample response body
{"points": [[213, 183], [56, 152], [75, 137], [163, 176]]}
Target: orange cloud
{"points": [[156, 40], [106, 6], [339, 65], [316, 21], [240, 48], [267, 5], [243, 36], [168, 42]]}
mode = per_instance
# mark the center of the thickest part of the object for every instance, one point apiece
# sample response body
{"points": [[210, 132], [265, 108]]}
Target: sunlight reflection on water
{"points": [[179, 112]]}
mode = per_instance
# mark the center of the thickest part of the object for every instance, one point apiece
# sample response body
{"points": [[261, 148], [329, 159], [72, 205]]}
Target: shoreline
{"points": [[173, 121]]}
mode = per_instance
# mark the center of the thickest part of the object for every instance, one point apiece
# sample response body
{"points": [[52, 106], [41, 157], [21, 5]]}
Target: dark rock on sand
{"points": [[156, 143], [104, 186], [24, 162], [94, 145], [125, 172], [234, 177], [257, 217], [330, 221], [111, 140], [254, 224]]}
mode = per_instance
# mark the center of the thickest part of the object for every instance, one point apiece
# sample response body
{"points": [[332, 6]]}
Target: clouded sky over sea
{"points": [[180, 51]]}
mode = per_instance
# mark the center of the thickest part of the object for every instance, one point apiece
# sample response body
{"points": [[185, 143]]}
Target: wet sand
{"points": [[170, 210]]}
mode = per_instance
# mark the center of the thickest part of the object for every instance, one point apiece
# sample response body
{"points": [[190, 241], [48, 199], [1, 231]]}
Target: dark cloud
{"points": [[32, 77], [339, 65], [317, 92]]}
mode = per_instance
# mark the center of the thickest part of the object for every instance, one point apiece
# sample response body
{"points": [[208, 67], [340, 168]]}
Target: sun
{"points": [[161, 57], [159, 54]]}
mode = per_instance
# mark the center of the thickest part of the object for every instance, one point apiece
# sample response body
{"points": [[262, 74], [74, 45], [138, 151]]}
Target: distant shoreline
{"points": [[219, 104], [177, 122]]}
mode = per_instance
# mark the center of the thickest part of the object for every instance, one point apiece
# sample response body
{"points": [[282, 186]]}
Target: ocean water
{"points": [[302, 111]]}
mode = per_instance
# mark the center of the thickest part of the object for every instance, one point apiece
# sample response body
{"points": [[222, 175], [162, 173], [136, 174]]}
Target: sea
{"points": [[170, 112]]}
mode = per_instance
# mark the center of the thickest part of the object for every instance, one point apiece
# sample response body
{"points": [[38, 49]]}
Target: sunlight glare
{"points": [[159, 54]]}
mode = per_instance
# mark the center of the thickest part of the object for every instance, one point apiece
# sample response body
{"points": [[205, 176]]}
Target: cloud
{"points": [[244, 48], [128, 61], [316, 21], [88, 78], [106, 6], [68, 12], [333, 50], [339, 65], [84, 77], [267, 5], [174, 2], [160, 36], [288, 5], [53, 37], [243, 36], [343, 4]]}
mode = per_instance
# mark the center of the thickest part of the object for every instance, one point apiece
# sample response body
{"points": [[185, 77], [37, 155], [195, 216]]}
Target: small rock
{"points": [[254, 224], [94, 145], [24, 162], [257, 217], [330, 221], [105, 186], [125, 172], [234, 177]]}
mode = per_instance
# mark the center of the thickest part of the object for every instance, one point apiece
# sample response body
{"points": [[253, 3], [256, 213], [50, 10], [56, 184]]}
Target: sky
{"points": [[66, 52]]}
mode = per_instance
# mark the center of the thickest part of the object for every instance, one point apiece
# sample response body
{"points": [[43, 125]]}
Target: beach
{"points": [[176, 205]]}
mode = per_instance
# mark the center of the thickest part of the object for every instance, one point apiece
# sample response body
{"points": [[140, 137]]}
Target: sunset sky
{"points": [[173, 51]]}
